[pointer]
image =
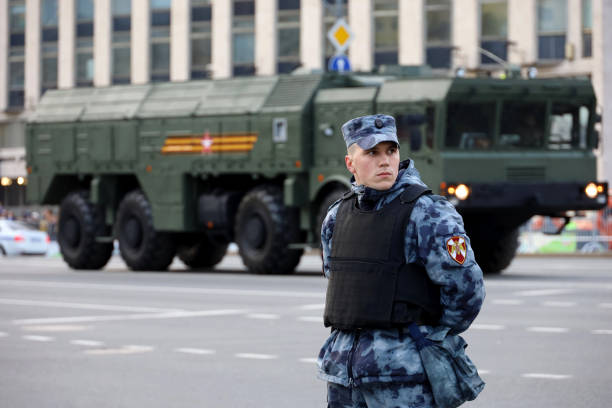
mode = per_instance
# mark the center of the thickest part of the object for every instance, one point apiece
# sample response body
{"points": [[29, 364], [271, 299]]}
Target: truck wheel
{"points": [[79, 223], [202, 254], [494, 254], [264, 229], [141, 246], [328, 200]]}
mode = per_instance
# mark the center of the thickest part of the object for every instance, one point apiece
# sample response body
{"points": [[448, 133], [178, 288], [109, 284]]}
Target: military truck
{"points": [[187, 168]]}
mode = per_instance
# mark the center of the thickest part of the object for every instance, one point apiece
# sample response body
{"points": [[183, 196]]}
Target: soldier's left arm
{"points": [[436, 239]]}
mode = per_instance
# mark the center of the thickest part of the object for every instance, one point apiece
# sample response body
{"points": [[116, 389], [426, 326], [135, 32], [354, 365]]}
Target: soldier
{"points": [[394, 254]]}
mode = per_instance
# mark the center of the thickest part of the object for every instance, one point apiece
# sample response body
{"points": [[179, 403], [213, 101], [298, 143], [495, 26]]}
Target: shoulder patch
{"points": [[457, 249]]}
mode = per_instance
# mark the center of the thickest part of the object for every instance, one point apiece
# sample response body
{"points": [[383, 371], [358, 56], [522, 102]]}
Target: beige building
{"points": [[48, 44]]}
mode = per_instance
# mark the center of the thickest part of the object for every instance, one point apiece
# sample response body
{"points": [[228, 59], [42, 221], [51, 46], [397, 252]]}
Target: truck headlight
{"points": [[462, 192], [592, 190]]}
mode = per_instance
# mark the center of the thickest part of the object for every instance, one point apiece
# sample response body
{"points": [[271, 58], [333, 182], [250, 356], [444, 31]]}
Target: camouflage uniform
{"points": [[375, 364]]}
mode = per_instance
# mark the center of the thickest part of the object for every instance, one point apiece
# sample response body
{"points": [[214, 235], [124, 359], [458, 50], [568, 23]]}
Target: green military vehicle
{"points": [[186, 168]]}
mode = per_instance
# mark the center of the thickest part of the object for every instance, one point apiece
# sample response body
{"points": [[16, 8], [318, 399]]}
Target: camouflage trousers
{"points": [[380, 395]]}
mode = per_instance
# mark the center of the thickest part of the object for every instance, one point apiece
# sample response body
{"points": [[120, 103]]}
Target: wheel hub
{"points": [[255, 232], [132, 232]]}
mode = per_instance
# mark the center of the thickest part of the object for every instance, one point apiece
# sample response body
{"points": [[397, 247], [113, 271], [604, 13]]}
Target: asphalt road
{"points": [[229, 339]]}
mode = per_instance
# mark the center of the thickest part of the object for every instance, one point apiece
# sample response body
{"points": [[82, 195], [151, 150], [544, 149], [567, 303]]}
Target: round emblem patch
{"points": [[457, 249], [378, 123]]}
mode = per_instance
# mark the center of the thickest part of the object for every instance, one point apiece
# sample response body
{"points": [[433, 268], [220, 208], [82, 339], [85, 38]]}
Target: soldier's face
{"points": [[377, 167]]}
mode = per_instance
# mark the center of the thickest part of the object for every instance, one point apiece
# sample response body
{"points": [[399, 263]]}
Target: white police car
{"points": [[19, 238]]}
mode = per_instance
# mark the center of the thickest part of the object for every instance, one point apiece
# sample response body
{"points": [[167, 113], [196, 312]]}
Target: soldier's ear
{"points": [[348, 160]]}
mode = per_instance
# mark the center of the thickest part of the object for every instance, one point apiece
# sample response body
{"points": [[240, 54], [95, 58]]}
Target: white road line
{"points": [[308, 360], [87, 343], [3, 334], [558, 304], [256, 356], [601, 331], [484, 372], [165, 289], [605, 305], [316, 306], [107, 318], [313, 319], [188, 350], [263, 316], [510, 302], [38, 338], [547, 376], [477, 326], [543, 292], [538, 329], [131, 349], [89, 306], [56, 328]]}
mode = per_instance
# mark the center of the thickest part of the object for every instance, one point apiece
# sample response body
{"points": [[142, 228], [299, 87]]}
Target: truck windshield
{"points": [[568, 127], [522, 124], [470, 125]]}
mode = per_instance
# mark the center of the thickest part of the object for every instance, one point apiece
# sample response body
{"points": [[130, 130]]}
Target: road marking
{"points": [[87, 343], [602, 331], [605, 305], [90, 306], [38, 338], [313, 319], [511, 302], [255, 356], [484, 372], [477, 326], [56, 328], [547, 376], [263, 316], [316, 306], [558, 304], [194, 351], [538, 329], [3, 334], [131, 349], [543, 292], [107, 318], [165, 289], [308, 360]]}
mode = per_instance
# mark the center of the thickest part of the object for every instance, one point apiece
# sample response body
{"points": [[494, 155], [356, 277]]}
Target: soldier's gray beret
{"points": [[368, 131]]}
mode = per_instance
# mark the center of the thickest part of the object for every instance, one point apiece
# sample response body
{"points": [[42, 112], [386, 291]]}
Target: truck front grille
{"points": [[525, 174]]}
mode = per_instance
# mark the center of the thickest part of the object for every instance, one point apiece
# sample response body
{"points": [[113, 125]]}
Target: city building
{"points": [[47, 44]]}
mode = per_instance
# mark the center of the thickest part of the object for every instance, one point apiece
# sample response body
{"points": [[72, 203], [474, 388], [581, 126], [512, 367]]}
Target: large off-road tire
{"points": [[141, 246], [202, 253], [80, 222], [494, 253], [263, 231], [326, 202]]}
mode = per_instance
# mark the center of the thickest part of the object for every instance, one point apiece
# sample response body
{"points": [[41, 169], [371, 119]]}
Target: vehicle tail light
{"points": [[19, 238], [47, 239]]}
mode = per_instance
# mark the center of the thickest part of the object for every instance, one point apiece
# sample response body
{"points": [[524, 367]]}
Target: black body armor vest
{"points": [[370, 285]]}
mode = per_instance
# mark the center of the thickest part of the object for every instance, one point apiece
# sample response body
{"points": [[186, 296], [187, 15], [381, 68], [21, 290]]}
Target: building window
{"points": [[288, 35], [438, 46], [494, 29], [160, 40], [48, 17], [16, 54], [122, 25], [243, 37], [587, 27], [385, 32], [331, 13], [84, 42], [201, 12], [552, 28]]}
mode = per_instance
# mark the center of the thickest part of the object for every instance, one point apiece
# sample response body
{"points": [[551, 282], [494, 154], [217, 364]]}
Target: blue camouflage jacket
{"points": [[387, 355]]}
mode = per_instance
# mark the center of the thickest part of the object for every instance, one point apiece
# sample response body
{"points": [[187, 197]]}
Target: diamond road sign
{"points": [[340, 35]]}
